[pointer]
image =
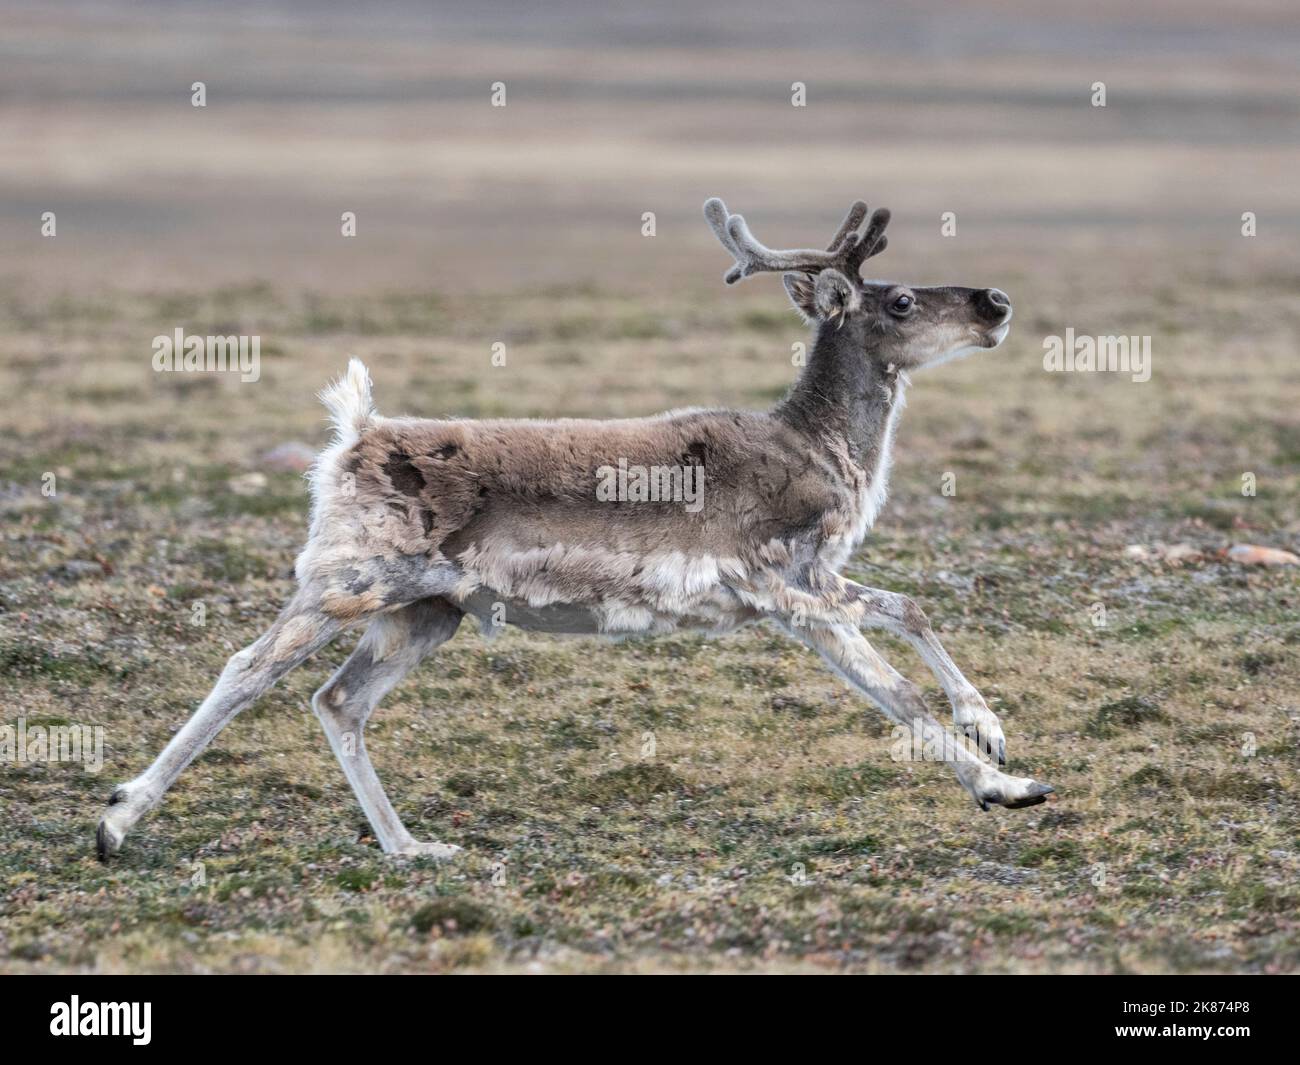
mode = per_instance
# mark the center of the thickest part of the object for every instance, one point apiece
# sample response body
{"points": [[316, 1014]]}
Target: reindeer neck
{"points": [[842, 392]]}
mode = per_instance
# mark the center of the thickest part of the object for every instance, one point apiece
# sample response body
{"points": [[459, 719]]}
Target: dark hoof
{"points": [[1037, 795], [1002, 752], [101, 842]]}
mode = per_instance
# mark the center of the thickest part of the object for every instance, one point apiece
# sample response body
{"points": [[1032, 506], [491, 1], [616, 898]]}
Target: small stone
{"points": [[1253, 555], [76, 569], [1181, 553], [291, 457]]}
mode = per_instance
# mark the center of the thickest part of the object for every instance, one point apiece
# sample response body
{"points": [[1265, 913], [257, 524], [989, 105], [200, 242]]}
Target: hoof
{"points": [[995, 788], [1038, 793], [106, 842]]}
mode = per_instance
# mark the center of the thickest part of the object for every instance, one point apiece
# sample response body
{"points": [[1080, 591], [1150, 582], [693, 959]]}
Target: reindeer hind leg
{"points": [[319, 611], [392, 646], [299, 631]]}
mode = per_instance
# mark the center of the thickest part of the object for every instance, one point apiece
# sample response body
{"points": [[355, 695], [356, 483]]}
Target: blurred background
{"points": [[614, 109]]}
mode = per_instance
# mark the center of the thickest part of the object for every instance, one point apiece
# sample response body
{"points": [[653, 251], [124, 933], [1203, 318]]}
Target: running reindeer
{"points": [[416, 523]]}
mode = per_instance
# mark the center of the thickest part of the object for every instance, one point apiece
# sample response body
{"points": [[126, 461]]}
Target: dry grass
{"points": [[1165, 848], [770, 829]]}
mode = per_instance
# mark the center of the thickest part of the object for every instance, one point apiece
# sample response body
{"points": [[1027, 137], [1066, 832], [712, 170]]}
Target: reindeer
{"points": [[416, 523]]}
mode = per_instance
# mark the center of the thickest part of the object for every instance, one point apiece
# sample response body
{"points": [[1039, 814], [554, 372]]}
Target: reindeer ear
{"points": [[799, 287], [834, 296]]}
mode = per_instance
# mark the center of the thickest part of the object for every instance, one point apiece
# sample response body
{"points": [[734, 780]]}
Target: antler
{"points": [[846, 253]]}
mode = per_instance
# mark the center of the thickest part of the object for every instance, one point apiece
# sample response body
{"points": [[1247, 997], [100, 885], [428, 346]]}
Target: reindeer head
{"points": [[897, 325]]}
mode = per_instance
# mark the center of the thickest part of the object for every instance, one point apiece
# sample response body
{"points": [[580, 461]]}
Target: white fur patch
{"points": [[622, 593]]}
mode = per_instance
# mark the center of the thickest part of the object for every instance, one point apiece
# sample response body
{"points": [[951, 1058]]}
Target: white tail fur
{"points": [[352, 411], [348, 400]]}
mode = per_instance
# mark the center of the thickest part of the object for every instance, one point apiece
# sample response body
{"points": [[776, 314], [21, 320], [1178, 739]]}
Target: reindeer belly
{"points": [[586, 590], [495, 612]]}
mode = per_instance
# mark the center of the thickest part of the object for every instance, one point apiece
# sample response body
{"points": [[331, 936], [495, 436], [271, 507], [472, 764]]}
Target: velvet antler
{"points": [[846, 252]]}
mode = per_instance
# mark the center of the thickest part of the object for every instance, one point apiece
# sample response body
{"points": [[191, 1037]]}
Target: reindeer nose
{"points": [[992, 304]]}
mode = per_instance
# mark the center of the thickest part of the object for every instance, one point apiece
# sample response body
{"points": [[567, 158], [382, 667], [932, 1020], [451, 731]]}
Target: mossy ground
{"points": [[768, 828]]}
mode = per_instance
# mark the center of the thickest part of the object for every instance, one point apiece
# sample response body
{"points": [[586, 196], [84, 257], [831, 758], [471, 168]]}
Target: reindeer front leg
{"points": [[849, 653], [822, 596], [900, 615]]}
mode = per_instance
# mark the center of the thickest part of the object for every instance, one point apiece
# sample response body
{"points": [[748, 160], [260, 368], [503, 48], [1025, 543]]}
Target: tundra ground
{"points": [[683, 803], [768, 826]]}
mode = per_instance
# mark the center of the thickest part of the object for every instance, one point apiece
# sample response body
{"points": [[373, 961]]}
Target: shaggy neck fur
{"points": [[845, 392]]}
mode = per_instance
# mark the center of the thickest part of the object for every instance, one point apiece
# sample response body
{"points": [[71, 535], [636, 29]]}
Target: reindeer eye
{"points": [[902, 305]]}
